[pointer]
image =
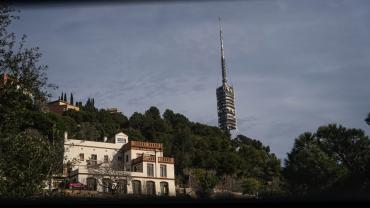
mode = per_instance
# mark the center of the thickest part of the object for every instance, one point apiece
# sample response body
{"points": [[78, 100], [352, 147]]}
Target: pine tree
{"points": [[71, 99], [65, 97]]}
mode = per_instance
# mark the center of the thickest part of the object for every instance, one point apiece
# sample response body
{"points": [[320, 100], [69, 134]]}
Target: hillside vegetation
{"points": [[197, 148]]}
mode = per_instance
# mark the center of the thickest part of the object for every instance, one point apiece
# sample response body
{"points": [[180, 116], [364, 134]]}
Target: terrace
{"points": [[143, 146], [151, 158]]}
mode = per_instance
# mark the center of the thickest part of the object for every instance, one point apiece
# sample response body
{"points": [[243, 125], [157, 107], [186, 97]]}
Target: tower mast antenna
{"points": [[223, 65]]}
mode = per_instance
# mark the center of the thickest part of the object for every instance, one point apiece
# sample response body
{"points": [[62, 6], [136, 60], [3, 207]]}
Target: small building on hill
{"points": [[59, 106], [112, 110]]}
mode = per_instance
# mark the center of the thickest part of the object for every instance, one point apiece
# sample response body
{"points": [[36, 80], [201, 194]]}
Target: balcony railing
{"points": [[166, 160], [146, 158], [143, 145], [143, 158]]}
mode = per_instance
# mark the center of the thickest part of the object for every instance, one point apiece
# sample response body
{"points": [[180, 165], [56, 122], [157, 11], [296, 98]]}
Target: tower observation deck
{"points": [[225, 96]]}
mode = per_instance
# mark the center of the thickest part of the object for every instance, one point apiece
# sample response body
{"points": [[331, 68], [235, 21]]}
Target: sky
{"points": [[295, 64]]}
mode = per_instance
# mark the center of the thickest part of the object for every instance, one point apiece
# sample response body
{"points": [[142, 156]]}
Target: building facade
{"points": [[128, 167], [225, 97], [59, 106]]}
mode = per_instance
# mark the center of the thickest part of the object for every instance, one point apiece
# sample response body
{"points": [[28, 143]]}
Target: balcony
{"points": [[143, 158], [143, 145], [170, 160], [151, 158]]}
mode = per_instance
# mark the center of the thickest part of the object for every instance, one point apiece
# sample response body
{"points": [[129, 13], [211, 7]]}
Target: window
{"points": [[106, 160], [136, 187], [126, 158], [150, 169], [120, 140], [163, 171], [119, 158], [164, 188], [94, 159], [82, 157], [150, 188]]}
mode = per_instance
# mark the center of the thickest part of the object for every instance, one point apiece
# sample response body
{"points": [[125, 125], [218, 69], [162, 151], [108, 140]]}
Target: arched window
{"points": [[107, 185], [122, 186], [91, 184], [150, 188], [164, 188], [136, 187]]}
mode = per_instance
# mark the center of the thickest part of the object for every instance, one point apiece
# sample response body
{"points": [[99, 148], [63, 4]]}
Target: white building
{"points": [[131, 167]]}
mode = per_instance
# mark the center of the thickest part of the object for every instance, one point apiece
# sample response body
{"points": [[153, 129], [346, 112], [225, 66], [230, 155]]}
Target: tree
{"points": [[136, 120], [256, 161], [89, 106], [88, 131], [120, 119], [252, 186], [65, 97], [350, 148], [334, 159], [71, 99], [182, 148], [309, 169], [153, 112], [27, 80], [203, 182], [175, 118], [27, 160], [28, 156], [367, 120], [228, 163], [152, 124]]}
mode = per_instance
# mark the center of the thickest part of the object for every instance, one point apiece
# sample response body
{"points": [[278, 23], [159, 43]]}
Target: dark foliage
{"points": [[334, 159], [31, 148]]}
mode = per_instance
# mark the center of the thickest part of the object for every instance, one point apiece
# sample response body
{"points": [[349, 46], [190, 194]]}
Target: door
{"points": [[150, 188], [164, 188], [136, 187]]}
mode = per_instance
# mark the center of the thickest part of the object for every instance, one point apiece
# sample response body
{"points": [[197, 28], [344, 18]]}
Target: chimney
{"points": [[65, 135], [105, 139]]}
